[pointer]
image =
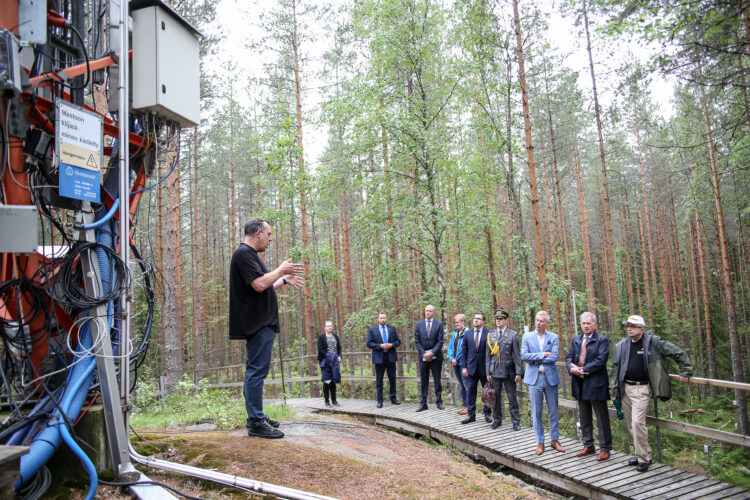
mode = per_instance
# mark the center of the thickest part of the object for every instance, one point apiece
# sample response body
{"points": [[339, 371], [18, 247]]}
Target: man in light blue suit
{"points": [[540, 349]]}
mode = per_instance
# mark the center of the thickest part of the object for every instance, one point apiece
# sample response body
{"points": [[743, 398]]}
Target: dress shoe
{"points": [[468, 420], [328, 405], [488, 418], [642, 466], [603, 455], [516, 427], [539, 449], [440, 406], [586, 451], [633, 461], [335, 403], [380, 404], [273, 423], [556, 445], [422, 408], [463, 411], [496, 424], [395, 402]]}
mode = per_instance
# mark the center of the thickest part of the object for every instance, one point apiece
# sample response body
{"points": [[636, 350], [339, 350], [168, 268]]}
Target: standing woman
{"points": [[329, 356], [454, 355]]}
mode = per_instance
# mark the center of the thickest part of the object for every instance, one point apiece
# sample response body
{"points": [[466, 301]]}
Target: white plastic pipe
{"points": [[227, 479]]}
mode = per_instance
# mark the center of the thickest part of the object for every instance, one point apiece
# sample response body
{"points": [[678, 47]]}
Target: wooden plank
{"points": [[692, 483], [743, 495], [638, 480], [583, 476], [706, 492]]}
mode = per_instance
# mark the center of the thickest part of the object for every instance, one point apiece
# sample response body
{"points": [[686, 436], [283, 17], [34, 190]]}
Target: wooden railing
{"points": [[357, 367]]}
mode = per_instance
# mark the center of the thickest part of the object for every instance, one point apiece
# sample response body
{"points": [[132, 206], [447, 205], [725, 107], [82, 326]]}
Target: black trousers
{"points": [[435, 366], [329, 388], [472, 381], [510, 390], [602, 422], [380, 370]]}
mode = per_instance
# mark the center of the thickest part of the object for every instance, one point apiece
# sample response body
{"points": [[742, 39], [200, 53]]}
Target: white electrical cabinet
{"points": [[166, 63]]}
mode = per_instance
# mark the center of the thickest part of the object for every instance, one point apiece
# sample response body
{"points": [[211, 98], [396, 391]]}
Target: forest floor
{"points": [[329, 455]]}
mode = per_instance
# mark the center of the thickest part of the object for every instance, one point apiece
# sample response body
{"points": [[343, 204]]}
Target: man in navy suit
{"points": [[473, 361], [428, 339], [587, 363], [540, 350], [383, 340]]}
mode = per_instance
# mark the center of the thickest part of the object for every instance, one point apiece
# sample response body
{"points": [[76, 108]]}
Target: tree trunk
{"points": [[534, 193], [197, 268], [307, 303], [728, 281], [173, 303], [609, 247], [647, 232], [591, 301]]}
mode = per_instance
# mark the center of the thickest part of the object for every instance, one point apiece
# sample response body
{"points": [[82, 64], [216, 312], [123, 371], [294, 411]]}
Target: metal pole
{"points": [[124, 154]]}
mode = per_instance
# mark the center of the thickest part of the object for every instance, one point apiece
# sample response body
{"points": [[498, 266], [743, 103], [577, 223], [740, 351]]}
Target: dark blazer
{"points": [[374, 339], [432, 343], [471, 358], [323, 346], [509, 355], [594, 386]]}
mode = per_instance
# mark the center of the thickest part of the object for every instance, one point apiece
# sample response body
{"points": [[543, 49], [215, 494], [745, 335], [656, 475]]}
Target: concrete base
{"points": [[91, 432]]}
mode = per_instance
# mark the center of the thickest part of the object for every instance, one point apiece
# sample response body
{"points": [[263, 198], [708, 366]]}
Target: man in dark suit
{"points": [[473, 361], [503, 367], [383, 340], [428, 339], [587, 364]]}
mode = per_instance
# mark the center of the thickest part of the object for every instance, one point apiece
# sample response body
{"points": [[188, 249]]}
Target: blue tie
{"points": [[385, 335]]}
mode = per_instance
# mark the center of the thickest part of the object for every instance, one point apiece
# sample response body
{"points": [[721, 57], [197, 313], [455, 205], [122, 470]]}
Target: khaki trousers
{"points": [[634, 405]]}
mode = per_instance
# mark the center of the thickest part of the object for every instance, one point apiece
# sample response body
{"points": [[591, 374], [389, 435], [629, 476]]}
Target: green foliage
{"points": [[193, 404]]}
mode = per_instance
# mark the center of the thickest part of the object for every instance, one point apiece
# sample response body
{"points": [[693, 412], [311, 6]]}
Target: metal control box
{"points": [[166, 63], [18, 228]]}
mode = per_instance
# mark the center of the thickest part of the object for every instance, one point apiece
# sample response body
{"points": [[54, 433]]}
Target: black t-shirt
{"points": [[637, 363], [249, 311]]}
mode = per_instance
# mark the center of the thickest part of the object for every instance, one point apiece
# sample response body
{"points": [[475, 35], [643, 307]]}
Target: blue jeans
{"points": [[538, 393], [461, 385], [259, 351]]}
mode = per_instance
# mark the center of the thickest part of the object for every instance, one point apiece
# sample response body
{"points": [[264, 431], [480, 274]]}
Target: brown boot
{"points": [[556, 445], [586, 451]]}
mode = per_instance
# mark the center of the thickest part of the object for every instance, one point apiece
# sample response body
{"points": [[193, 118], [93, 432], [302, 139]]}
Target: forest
{"points": [[460, 161]]}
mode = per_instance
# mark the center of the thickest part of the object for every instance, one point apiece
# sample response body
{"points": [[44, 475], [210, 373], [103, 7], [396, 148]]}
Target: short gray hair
{"points": [[543, 313], [591, 315], [254, 225]]}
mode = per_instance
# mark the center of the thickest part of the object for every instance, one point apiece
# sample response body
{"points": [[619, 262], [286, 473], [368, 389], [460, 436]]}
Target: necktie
{"points": [[385, 335], [476, 338], [428, 327], [582, 359]]}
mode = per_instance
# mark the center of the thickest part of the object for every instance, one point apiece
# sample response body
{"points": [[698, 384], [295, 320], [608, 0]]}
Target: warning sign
{"points": [[79, 157], [79, 146]]}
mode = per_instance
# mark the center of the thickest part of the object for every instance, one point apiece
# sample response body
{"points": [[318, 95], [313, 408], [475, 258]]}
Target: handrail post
{"points": [[658, 430]]}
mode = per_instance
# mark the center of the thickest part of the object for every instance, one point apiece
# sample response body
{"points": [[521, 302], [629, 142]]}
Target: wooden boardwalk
{"points": [[612, 478]]}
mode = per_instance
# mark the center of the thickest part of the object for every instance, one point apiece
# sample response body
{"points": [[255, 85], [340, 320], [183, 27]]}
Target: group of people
{"points": [[478, 356], [481, 356]]}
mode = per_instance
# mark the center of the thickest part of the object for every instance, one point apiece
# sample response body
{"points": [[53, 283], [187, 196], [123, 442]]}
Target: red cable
{"points": [[87, 409]]}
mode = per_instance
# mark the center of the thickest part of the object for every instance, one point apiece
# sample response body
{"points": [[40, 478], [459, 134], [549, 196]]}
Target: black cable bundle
{"points": [[68, 288]]}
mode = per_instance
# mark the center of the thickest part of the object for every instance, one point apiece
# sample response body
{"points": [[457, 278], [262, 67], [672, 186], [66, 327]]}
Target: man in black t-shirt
{"points": [[254, 316]]}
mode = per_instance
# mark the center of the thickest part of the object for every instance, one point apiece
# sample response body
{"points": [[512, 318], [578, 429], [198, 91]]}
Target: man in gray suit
{"points": [[503, 365], [428, 339]]}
